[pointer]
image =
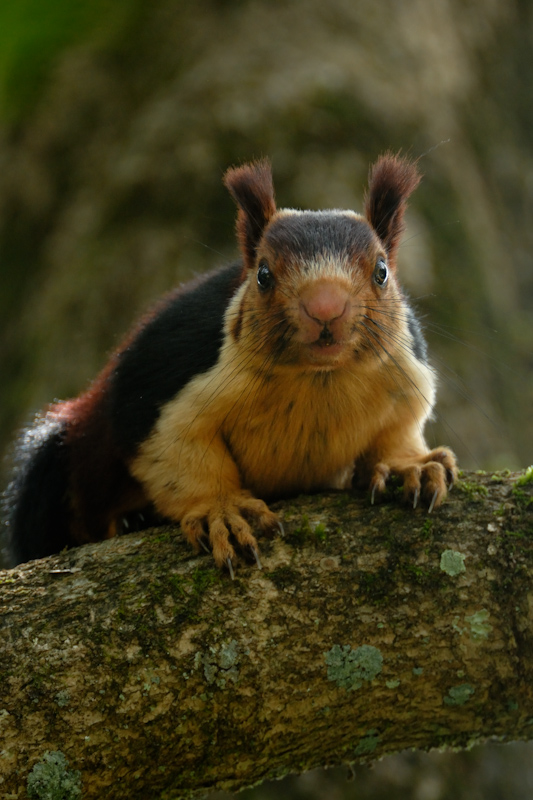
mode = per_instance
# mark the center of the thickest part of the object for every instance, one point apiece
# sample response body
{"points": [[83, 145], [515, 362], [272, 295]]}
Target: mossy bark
{"points": [[369, 630]]}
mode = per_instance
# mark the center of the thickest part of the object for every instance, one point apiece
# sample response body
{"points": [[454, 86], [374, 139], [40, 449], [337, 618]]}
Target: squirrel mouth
{"points": [[326, 347], [325, 350], [326, 338]]}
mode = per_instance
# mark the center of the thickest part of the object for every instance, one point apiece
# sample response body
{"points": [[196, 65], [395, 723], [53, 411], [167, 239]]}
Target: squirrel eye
{"points": [[265, 279], [381, 272]]}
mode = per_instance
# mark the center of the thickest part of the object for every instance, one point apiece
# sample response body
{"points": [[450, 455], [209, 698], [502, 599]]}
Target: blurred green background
{"points": [[117, 122]]}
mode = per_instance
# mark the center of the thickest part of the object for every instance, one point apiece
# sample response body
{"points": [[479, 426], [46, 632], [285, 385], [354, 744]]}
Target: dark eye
{"points": [[381, 272], [265, 279]]}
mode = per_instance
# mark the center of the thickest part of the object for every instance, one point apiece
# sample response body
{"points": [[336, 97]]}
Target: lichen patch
{"points": [[349, 669], [452, 562]]}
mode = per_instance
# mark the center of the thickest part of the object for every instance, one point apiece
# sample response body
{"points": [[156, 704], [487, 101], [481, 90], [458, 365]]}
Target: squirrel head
{"points": [[322, 278]]}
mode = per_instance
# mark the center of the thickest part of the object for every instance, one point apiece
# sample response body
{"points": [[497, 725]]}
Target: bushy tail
{"points": [[35, 504]]}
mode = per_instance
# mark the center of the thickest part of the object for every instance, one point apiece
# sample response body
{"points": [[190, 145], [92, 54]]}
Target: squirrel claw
{"points": [[433, 500], [203, 544], [415, 498], [280, 528], [256, 556], [373, 495], [230, 568]]}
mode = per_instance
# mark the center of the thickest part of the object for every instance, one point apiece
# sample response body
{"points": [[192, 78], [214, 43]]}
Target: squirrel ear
{"points": [[252, 189], [390, 182]]}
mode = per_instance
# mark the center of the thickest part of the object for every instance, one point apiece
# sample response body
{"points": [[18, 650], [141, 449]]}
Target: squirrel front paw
{"points": [[425, 477], [212, 523]]}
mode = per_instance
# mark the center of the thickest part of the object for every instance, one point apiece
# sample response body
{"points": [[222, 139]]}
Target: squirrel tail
{"points": [[38, 529]]}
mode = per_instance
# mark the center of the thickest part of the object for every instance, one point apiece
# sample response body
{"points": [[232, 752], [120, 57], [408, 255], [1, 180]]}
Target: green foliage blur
{"points": [[34, 32]]}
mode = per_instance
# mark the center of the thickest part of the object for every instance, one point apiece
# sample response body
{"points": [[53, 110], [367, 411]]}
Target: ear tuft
{"points": [[391, 180], [252, 189]]}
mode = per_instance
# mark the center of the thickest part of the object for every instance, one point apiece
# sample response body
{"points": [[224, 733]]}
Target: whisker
{"points": [[402, 372]]}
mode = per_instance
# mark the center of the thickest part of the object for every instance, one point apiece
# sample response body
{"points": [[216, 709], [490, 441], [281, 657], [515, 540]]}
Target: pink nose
{"points": [[324, 302]]}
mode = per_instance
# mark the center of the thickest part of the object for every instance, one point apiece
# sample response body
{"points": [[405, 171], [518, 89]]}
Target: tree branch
{"points": [[369, 630]]}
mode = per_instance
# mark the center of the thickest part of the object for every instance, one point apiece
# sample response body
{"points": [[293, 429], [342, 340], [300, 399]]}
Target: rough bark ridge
{"points": [[369, 630]]}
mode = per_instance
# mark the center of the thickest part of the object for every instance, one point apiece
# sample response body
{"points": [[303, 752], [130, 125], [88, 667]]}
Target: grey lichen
{"points": [[480, 626], [349, 668], [452, 563], [50, 779], [228, 656], [62, 698], [458, 695], [220, 663]]}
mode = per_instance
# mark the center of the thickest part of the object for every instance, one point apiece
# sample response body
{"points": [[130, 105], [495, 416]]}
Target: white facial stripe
{"points": [[290, 212], [322, 267]]}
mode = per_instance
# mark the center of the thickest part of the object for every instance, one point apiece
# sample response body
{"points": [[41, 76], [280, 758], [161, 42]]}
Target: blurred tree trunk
{"points": [[369, 630]]}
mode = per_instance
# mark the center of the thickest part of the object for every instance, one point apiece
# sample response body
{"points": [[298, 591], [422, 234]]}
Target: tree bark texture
{"points": [[370, 629]]}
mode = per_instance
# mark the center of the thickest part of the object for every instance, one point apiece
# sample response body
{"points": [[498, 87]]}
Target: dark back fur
{"points": [[180, 339], [34, 503]]}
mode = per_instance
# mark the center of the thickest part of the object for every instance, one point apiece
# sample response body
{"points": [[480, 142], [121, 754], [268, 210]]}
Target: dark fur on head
{"points": [[252, 189], [391, 180]]}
